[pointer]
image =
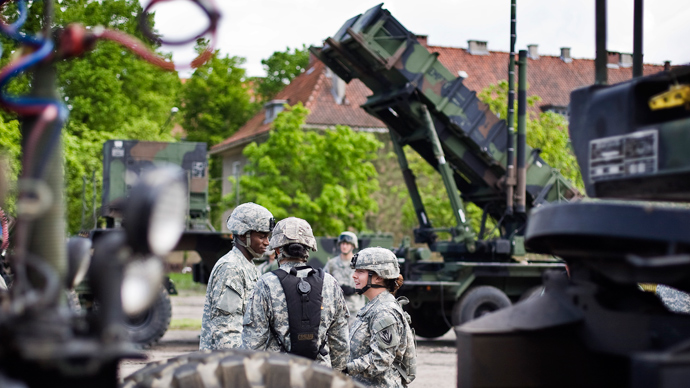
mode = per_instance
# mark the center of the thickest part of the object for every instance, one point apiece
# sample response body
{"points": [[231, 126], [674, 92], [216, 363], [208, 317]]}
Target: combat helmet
{"points": [[249, 217], [377, 260], [348, 237], [290, 231]]}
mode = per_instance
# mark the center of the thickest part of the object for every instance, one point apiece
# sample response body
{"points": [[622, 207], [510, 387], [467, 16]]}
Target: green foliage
{"points": [[10, 154], [281, 68], [216, 100], [326, 178]]}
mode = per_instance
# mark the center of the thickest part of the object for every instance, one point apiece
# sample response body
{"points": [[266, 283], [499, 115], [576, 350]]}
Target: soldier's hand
{"points": [[347, 290]]}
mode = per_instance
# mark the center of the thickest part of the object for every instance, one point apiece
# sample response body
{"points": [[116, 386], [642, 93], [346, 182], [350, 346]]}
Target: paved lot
{"points": [[436, 359]]}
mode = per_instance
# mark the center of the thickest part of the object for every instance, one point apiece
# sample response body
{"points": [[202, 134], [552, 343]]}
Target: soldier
{"points": [[382, 347], [297, 309], [339, 267], [233, 278]]}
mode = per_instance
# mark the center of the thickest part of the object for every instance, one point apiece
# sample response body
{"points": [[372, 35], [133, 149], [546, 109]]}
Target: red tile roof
{"points": [[548, 77]]}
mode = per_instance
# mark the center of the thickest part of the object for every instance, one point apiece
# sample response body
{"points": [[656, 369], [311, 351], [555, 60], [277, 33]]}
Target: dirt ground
{"points": [[436, 359]]}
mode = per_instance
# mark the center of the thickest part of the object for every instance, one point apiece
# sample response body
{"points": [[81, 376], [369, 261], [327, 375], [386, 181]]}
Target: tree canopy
{"points": [[326, 178], [216, 100]]}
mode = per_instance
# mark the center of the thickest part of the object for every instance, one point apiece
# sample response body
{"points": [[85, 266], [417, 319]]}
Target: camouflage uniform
{"points": [[268, 306], [378, 339], [230, 286], [382, 348], [342, 272], [232, 281], [267, 311]]}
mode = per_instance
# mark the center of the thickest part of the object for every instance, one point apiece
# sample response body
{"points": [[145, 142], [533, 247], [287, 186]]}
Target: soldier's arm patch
{"points": [[230, 301], [385, 331]]}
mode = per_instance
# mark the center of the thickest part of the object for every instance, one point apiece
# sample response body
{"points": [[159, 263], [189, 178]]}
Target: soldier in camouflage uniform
{"points": [[233, 278], [266, 324], [339, 267], [382, 348]]}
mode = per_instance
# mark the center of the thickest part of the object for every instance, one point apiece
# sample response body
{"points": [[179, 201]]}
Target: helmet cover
{"points": [[250, 217], [292, 230], [380, 260]]}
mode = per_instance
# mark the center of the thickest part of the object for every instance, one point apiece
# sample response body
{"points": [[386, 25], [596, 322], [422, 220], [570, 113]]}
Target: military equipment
{"points": [[429, 109], [597, 327], [42, 342], [124, 161]]}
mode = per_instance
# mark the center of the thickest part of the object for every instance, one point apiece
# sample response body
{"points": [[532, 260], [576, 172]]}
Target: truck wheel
{"points": [[148, 327], [427, 320], [237, 369], [478, 301]]}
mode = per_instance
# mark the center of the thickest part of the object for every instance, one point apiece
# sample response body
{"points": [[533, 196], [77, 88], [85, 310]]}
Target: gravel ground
{"points": [[436, 359]]}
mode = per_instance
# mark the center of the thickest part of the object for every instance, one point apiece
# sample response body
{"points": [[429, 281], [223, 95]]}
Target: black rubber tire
{"points": [[149, 326], [427, 320], [478, 301], [532, 292], [237, 369]]}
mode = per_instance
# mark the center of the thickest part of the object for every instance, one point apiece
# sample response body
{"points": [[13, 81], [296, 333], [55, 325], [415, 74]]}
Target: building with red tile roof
{"points": [[331, 102]]}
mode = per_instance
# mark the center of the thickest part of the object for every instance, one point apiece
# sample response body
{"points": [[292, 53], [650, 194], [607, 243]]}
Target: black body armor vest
{"points": [[304, 302]]}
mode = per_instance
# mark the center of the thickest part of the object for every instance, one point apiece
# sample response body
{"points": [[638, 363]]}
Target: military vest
{"points": [[304, 300]]}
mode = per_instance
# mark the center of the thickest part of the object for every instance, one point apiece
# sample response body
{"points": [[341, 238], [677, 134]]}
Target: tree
{"points": [[326, 178], [281, 68], [110, 92]]}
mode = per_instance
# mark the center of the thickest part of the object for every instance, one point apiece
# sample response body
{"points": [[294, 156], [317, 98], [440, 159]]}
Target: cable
{"points": [[211, 11]]}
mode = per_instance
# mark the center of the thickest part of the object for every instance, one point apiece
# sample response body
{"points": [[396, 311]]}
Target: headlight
{"points": [[140, 285], [156, 211]]}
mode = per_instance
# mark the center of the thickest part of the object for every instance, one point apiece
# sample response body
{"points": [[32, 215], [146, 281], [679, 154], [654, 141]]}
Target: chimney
{"points": [[533, 51], [667, 65], [478, 47], [422, 39], [625, 60], [613, 60], [273, 107], [565, 55]]}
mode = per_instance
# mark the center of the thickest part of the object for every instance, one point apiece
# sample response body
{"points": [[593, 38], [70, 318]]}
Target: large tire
{"points": [[478, 301], [148, 327], [237, 369]]}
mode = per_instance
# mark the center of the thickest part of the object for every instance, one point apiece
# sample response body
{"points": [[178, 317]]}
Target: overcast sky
{"points": [[254, 29]]}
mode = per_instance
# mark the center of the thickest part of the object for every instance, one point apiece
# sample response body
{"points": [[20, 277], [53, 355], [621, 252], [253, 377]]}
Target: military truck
{"points": [[124, 161], [620, 319], [429, 109]]}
